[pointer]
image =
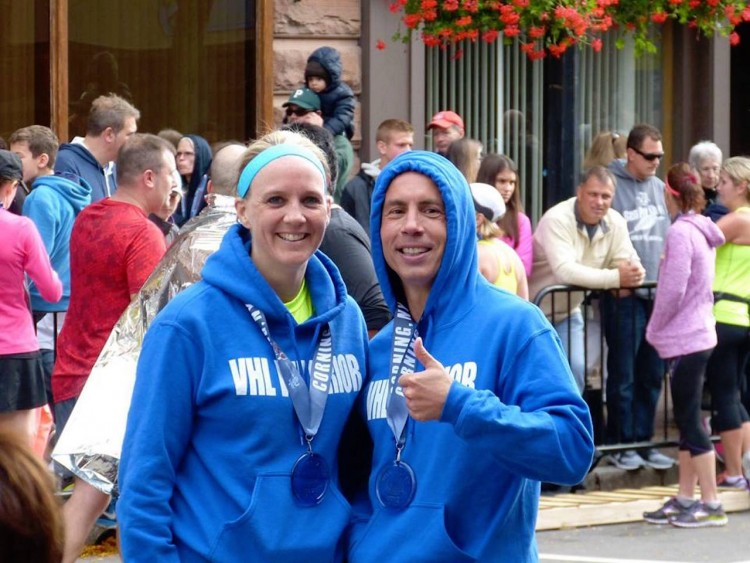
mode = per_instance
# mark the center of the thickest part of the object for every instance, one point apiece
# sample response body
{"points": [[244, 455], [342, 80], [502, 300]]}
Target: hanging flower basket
{"points": [[550, 27]]}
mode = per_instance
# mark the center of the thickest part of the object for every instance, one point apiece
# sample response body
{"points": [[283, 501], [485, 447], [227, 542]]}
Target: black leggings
{"points": [[726, 366], [687, 391]]}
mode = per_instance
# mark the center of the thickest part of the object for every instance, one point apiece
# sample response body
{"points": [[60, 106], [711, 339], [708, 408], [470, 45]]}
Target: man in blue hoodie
{"points": [[53, 204], [471, 403], [112, 120]]}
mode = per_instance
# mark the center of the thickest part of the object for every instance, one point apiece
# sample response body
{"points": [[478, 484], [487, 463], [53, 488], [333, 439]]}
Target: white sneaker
{"points": [[657, 460], [628, 460]]}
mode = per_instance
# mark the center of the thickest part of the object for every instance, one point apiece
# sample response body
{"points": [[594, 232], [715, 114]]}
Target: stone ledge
{"points": [[605, 477]]}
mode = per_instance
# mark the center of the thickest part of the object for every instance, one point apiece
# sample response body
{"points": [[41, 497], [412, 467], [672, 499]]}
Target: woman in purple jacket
{"points": [[682, 329]]}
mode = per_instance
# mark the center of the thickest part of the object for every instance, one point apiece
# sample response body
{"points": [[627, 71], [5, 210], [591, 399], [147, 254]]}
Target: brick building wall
{"points": [[303, 26]]}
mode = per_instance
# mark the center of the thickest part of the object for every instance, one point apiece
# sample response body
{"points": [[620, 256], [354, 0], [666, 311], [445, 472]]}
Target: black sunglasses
{"points": [[299, 112], [650, 156]]}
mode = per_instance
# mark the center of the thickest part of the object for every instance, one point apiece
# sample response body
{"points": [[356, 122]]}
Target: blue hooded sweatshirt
{"points": [[513, 416], [74, 158], [53, 205], [337, 100], [212, 435]]}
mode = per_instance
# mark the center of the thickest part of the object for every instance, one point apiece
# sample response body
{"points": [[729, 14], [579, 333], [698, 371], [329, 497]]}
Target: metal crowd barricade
{"points": [[595, 358]]}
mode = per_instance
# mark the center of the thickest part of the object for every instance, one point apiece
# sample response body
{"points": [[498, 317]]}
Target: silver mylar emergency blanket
{"points": [[91, 443]]}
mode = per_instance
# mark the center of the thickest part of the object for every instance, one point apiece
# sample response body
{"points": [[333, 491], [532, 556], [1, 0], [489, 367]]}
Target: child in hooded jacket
{"points": [[323, 76]]}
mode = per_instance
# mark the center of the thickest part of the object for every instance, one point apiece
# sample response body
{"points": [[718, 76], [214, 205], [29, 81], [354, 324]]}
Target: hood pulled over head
{"points": [[458, 271]]}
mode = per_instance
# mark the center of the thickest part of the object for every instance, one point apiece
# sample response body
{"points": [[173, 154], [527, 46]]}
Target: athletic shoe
{"points": [[655, 459], [628, 460], [670, 509], [700, 515], [740, 484]]}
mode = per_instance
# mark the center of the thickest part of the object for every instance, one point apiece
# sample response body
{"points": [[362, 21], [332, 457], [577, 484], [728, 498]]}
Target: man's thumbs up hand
{"points": [[426, 391]]}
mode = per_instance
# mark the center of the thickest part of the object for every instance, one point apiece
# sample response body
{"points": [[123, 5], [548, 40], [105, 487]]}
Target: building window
{"points": [[499, 93], [24, 65], [185, 64], [616, 90]]}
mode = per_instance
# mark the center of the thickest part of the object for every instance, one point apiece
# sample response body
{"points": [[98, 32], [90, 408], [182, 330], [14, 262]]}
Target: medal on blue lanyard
{"points": [[396, 483], [310, 473]]}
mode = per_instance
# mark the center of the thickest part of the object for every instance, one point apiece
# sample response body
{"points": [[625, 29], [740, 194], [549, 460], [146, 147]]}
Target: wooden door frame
{"points": [[264, 66], [58, 62]]}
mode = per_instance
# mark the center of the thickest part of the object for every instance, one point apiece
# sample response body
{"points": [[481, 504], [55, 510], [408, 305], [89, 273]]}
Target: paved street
{"points": [[633, 543], [643, 543]]}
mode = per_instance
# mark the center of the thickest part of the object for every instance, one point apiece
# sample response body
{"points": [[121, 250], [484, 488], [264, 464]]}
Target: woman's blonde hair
{"points": [[738, 170], [488, 230], [279, 138], [606, 147]]}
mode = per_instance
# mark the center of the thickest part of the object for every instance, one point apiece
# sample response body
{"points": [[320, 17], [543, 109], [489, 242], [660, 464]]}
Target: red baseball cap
{"points": [[445, 119]]}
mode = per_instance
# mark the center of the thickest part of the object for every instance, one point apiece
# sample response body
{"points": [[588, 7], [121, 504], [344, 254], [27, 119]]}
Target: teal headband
{"points": [[269, 155]]}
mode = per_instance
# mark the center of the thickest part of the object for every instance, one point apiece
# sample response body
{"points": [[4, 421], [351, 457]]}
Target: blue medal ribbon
{"points": [[396, 483], [310, 474], [403, 360], [309, 403]]}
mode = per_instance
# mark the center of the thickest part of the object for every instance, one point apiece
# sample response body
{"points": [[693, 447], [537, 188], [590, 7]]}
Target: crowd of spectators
{"points": [[89, 238]]}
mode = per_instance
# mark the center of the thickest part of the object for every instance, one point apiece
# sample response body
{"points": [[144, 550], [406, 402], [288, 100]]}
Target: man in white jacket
{"points": [[582, 241]]}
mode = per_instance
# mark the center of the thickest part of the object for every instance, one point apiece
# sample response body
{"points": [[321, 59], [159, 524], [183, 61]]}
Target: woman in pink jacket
{"points": [[682, 329], [500, 171], [22, 252]]}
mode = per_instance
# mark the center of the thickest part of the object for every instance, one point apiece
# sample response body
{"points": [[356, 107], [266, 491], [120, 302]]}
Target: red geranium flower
{"points": [[553, 27]]}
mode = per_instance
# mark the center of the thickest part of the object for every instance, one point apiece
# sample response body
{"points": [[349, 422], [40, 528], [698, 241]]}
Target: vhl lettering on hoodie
{"points": [[377, 392], [253, 376]]}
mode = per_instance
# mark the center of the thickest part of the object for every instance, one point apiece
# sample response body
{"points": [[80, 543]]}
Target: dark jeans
{"points": [[635, 372]]}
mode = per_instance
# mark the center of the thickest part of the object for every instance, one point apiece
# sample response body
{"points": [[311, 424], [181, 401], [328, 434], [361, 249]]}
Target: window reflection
{"points": [[185, 64], [616, 90], [24, 64]]}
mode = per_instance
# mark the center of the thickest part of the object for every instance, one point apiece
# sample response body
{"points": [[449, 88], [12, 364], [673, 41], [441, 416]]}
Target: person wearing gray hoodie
{"points": [[635, 371]]}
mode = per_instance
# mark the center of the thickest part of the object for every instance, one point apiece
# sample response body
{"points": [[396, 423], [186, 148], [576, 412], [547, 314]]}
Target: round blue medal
{"points": [[396, 485], [310, 478]]}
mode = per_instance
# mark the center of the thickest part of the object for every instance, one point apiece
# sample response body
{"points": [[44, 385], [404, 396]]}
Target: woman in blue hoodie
{"points": [[244, 384], [491, 410]]}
